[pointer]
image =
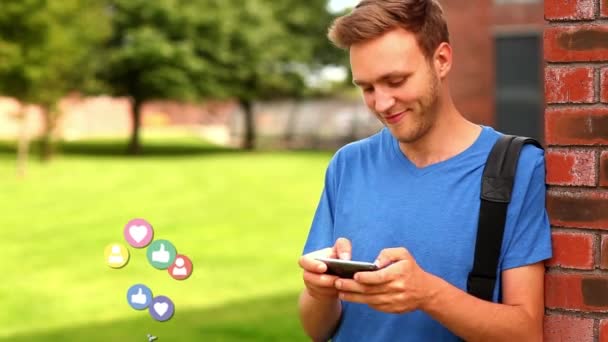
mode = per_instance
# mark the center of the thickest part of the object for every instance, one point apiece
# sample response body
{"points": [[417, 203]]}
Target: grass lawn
{"points": [[241, 217]]}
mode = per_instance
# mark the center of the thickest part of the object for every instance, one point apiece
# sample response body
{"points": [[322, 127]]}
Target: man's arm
{"points": [[319, 317], [518, 318], [402, 286], [320, 308]]}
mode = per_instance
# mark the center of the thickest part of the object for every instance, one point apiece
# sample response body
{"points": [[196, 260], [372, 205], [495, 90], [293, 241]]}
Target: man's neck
{"points": [[450, 135]]}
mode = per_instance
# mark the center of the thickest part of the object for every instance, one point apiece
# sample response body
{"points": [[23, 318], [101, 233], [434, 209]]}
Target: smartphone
{"points": [[346, 268]]}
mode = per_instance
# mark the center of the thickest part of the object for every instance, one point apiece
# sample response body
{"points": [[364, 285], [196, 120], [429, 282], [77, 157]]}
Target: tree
{"points": [[45, 47], [150, 55], [265, 49], [197, 49]]}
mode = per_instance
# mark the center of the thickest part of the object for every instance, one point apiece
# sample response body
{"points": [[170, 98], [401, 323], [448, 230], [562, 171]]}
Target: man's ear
{"points": [[442, 60]]}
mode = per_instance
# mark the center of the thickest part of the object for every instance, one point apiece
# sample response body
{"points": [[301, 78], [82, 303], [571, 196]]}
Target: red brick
{"points": [[604, 330], [604, 169], [579, 209], [604, 85], [571, 43], [560, 328], [604, 8], [576, 292], [571, 167], [573, 250], [576, 126], [604, 252], [569, 85], [569, 9]]}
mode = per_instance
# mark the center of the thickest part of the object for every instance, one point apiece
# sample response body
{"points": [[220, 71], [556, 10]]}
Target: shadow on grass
{"points": [[169, 148], [118, 148], [261, 319]]}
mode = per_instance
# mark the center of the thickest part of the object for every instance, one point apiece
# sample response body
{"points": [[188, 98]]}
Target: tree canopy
{"points": [[197, 49], [46, 47], [46, 51]]}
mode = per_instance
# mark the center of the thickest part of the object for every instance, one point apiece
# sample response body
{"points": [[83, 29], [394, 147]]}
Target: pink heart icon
{"points": [[138, 233]]}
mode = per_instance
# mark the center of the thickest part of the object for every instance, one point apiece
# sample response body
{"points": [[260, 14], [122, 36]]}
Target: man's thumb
{"points": [[343, 248]]}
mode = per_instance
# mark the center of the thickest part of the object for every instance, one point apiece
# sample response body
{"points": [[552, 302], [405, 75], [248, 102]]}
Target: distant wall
{"points": [[326, 123]]}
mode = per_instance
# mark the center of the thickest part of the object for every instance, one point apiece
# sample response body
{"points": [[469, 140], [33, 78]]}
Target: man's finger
{"points": [[370, 299], [384, 275], [347, 285], [309, 263], [319, 280], [390, 255], [343, 248]]}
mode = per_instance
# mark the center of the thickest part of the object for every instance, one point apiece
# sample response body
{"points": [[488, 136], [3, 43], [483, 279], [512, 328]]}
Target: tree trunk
{"points": [[22, 147], [249, 140], [46, 147], [134, 144], [291, 125], [354, 125]]}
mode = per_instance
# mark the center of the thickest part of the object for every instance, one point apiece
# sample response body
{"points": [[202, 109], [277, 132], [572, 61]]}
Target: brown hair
{"points": [[372, 18]]}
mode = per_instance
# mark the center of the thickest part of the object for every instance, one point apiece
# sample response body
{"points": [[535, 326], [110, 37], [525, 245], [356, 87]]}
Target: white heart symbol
{"points": [[161, 308], [138, 233]]}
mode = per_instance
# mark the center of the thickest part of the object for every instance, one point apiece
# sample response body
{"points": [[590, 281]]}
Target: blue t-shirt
{"points": [[377, 198]]}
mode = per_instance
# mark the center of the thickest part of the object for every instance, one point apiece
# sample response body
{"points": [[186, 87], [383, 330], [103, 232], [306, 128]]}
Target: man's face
{"points": [[399, 85]]}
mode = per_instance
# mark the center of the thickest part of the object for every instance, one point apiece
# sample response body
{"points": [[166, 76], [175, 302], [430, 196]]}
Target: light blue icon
{"points": [[139, 296]]}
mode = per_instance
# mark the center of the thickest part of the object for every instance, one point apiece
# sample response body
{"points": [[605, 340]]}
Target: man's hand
{"points": [[319, 285], [399, 286]]}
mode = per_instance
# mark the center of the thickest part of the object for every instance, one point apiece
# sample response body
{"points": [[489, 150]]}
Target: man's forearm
{"points": [[319, 318], [474, 319]]}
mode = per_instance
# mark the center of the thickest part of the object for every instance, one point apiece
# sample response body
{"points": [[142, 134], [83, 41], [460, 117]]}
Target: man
{"points": [[408, 198]]}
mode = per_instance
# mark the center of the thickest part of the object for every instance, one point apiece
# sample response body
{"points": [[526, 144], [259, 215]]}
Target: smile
{"points": [[393, 119]]}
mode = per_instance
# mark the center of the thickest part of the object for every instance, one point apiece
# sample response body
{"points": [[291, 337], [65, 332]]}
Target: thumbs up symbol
{"points": [[161, 255], [139, 298]]}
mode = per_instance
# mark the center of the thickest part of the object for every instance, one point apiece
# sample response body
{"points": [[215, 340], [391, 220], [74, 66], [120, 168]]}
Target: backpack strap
{"points": [[496, 187]]}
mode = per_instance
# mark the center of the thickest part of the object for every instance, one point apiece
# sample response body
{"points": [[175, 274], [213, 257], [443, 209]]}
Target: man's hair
{"points": [[372, 18]]}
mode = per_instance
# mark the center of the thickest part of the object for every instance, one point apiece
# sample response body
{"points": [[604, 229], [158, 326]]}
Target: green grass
{"points": [[241, 217]]}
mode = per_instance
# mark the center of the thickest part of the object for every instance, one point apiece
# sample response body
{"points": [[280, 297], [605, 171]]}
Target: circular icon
{"points": [[139, 296], [161, 254], [181, 268], [116, 255], [161, 308], [138, 233]]}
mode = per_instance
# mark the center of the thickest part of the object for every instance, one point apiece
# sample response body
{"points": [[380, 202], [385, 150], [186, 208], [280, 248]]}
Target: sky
{"points": [[332, 73], [338, 5]]}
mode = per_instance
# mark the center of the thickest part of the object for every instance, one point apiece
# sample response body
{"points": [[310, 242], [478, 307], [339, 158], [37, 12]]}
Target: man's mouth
{"points": [[395, 118]]}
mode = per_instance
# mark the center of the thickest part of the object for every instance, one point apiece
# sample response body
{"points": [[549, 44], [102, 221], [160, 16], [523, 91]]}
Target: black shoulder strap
{"points": [[496, 187]]}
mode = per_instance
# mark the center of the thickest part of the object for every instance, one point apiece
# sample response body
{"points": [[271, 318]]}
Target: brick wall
{"points": [[576, 130]]}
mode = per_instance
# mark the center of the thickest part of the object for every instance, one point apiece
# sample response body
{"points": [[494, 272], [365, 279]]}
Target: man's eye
{"points": [[396, 83], [367, 89]]}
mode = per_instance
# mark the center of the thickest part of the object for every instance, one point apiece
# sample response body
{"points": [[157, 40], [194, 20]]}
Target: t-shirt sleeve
{"points": [[321, 231], [527, 237]]}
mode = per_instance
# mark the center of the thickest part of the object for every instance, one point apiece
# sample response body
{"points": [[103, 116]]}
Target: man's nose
{"points": [[383, 101]]}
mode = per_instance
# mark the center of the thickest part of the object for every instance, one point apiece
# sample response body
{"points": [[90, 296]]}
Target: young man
{"points": [[408, 198]]}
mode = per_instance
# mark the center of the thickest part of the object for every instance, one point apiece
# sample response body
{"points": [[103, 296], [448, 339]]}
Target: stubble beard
{"points": [[422, 118]]}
